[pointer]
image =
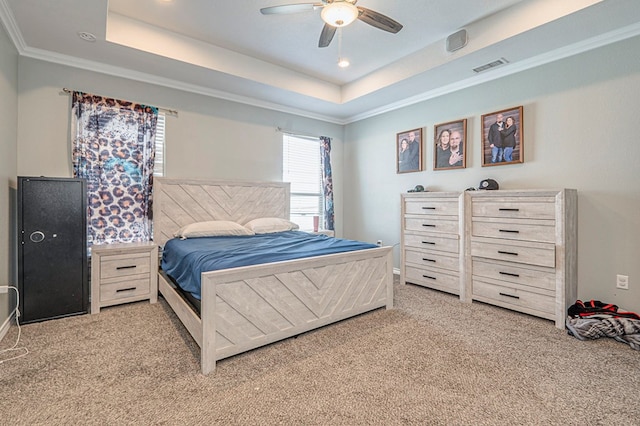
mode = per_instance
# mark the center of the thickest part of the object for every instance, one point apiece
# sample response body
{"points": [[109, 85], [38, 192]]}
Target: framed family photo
{"points": [[449, 146], [409, 151], [502, 137]]}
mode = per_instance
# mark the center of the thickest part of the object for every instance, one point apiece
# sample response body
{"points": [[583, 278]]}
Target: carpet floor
{"points": [[429, 361]]}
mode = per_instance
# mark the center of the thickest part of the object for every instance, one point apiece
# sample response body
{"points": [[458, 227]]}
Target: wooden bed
{"points": [[248, 307]]}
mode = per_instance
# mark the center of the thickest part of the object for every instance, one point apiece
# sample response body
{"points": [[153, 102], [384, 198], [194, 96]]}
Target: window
{"points": [[158, 165], [302, 167]]}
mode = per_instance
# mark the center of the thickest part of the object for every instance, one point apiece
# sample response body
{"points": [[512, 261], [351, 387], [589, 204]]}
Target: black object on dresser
{"points": [[52, 252]]}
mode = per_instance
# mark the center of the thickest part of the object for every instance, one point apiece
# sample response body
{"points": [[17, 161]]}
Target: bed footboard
{"points": [[245, 308]]}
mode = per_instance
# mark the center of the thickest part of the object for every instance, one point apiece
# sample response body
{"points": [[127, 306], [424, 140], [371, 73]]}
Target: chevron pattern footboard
{"points": [[255, 306]]}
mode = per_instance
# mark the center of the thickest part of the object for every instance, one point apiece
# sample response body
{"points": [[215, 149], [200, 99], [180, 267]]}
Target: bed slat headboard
{"points": [[179, 202]]}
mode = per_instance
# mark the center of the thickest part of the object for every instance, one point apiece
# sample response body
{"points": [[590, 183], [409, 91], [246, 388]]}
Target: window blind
{"points": [[158, 165], [302, 167]]}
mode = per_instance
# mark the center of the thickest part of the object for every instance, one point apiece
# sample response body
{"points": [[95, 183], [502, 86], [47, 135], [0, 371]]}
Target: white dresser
{"points": [[521, 250], [430, 241]]}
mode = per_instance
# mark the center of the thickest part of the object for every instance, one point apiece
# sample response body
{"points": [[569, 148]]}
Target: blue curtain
{"points": [[327, 182], [113, 148]]}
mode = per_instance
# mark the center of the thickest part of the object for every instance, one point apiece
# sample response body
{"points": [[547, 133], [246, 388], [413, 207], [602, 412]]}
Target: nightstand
{"points": [[123, 273]]}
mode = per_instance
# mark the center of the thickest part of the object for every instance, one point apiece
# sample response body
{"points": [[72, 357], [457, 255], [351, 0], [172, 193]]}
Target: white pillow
{"points": [[213, 228], [267, 225]]}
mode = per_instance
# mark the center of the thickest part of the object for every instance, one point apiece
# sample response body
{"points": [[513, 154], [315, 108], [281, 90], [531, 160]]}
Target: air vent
{"points": [[490, 65]]}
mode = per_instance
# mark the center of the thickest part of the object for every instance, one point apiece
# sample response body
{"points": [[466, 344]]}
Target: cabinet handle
{"points": [[428, 242], [429, 225], [125, 267], [429, 260], [507, 252], [428, 208], [431, 278], [510, 295], [125, 289], [510, 230], [510, 274], [508, 210]]}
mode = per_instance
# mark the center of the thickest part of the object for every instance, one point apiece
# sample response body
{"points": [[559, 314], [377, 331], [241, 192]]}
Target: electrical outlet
{"points": [[379, 243], [622, 281], [4, 289]]}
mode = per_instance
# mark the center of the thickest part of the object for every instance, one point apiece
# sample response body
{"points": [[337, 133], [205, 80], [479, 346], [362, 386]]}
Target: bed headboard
{"points": [[179, 202]]}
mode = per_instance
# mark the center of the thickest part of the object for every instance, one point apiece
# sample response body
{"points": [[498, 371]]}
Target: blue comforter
{"points": [[185, 260]]}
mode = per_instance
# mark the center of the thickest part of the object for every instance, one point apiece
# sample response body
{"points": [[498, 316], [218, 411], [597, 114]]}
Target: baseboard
{"points": [[6, 326]]}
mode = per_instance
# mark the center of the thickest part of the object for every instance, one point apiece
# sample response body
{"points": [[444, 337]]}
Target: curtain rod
{"points": [[165, 110], [300, 134]]}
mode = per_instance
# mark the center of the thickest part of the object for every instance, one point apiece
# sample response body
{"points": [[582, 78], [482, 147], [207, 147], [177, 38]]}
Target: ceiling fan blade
{"points": [[326, 35], [378, 20], [285, 9]]}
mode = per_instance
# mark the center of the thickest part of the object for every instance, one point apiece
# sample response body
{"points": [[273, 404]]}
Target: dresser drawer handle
{"points": [[510, 274], [125, 267], [428, 208], [510, 295], [431, 278], [508, 210], [513, 231], [120, 290], [429, 242], [507, 252], [429, 260], [429, 225]]}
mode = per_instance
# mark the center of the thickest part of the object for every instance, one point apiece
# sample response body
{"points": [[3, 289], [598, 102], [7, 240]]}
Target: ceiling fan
{"points": [[335, 14]]}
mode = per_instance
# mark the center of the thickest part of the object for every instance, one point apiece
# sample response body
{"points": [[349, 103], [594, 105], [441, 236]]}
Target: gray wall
{"points": [[8, 130], [579, 132], [578, 115]]}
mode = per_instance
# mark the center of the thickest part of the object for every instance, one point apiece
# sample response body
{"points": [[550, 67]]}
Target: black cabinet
{"points": [[52, 254]]}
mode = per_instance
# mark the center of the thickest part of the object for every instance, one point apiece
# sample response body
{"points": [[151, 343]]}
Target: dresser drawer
{"points": [[431, 224], [540, 254], [432, 206], [124, 265], [513, 296], [425, 258], [541, 278], [515, 229], [124, 289], [432, 242], [515, 207], [449, 282]]}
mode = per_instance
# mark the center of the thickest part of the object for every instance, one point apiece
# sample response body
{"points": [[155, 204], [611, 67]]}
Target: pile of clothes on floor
{"points": [[595, 319]]}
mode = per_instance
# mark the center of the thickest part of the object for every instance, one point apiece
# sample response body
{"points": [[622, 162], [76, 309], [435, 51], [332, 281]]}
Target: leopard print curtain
{"points": [[113, 149]]}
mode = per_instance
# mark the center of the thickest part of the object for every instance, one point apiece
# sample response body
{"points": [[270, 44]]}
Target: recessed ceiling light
{"points": [[343, 62], [86, 36]]}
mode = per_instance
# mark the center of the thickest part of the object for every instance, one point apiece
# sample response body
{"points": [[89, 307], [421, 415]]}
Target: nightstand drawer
{"points": [[124, 265], [515, 229], [124, 289]]}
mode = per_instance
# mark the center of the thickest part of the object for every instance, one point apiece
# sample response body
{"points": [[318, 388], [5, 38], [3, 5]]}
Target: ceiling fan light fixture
{"points": [[339, 13], [343, 62]]}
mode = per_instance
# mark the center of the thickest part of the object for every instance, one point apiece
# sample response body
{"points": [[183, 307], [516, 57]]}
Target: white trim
{"points": [[6, 325]]}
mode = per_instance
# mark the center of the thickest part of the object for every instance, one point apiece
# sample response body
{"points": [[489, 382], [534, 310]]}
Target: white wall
{"points": [[8, 129], [580, 116]]}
